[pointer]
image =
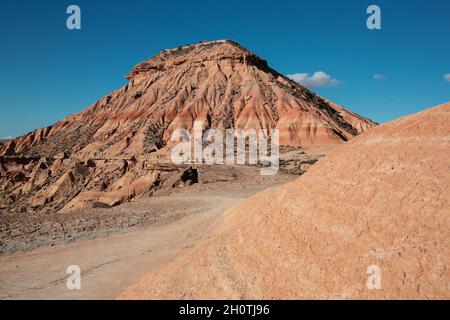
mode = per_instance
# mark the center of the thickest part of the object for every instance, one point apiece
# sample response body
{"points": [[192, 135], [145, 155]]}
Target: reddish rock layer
{"points": [[218, 82]]}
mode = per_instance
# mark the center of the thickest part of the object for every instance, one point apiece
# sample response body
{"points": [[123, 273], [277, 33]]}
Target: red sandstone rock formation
{"points": [[218, 82]]}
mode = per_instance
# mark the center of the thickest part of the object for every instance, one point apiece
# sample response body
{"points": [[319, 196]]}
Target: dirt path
{"points": [[110, 264]]}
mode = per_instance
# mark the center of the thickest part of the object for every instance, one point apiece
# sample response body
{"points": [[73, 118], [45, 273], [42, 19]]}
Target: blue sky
{"points": [[49, 72]]}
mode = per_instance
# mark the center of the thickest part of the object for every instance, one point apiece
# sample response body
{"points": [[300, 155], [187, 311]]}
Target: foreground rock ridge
{"points": [[382, 199], [111, 152]]}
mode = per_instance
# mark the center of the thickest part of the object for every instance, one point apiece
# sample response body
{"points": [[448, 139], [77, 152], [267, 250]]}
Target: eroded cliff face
{"points": [[65, 184], [219, 82]]}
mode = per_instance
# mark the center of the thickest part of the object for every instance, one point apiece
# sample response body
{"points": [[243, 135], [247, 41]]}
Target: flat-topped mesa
{"points": [[196, 54]]}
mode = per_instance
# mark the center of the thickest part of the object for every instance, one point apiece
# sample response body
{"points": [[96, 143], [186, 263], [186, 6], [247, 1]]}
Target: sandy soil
{"points": [[369, 221], [111, 263]]}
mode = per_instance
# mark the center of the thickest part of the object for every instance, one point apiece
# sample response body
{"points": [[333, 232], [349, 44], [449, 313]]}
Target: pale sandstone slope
{"points": [[381, 199]]}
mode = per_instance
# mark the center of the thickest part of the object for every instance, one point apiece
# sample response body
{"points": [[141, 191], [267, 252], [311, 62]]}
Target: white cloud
{"points": [[318, 79], [381, 76], [447, 77]]}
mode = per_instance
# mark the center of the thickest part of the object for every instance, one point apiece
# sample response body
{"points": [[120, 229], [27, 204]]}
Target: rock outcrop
{"points": [[65, 185], [218, 82], [379, 203]]}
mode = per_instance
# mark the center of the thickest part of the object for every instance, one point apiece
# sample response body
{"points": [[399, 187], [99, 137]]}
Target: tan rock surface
{"points": [[57, 185], [381, 199]]}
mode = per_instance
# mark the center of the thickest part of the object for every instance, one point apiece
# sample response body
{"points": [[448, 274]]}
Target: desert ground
{"points": [[98, 189], [378, 202], [115, 247]]}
